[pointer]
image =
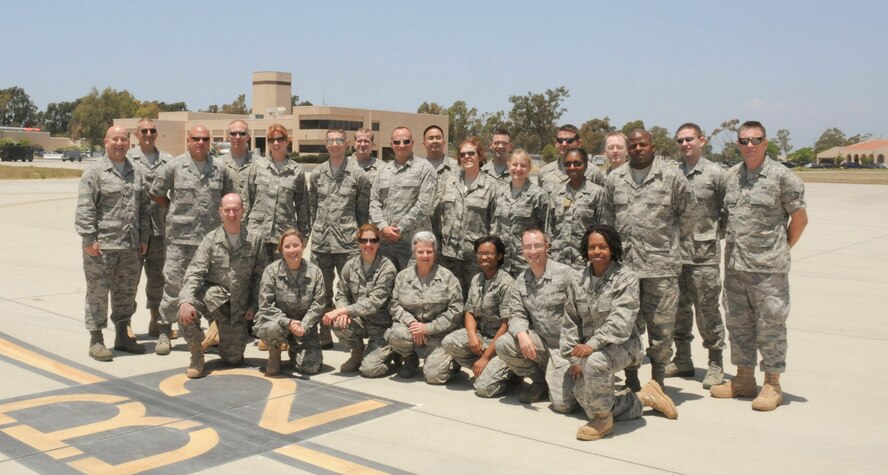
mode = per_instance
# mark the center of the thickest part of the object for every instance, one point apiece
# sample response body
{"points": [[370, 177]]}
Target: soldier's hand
{"points": [[418, 328], [250, 315], [581, 350], [526, 345], [143, 248], [479, 366], [391, 233], [475, 345], [342, 321], [296, 328], [419, 339], [328, 317], [575, 372], [93, 250], [187, 313]]}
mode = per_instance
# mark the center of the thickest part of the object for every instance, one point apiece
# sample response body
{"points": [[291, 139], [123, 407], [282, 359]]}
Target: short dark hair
{"points": [[611, 237], [581, 152], [753, 124], [569, 128], [502, 131], [427, 129], [497, 243], [690, 125]]}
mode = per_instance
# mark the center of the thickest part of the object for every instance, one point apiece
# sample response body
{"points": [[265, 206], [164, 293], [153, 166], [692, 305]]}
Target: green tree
{"points": [[802, 155], [16, 108], [830, 138], [724, 138], [632, 125], [96, 112], [296, 102], [57, 117], [490, 121], [857, 139], [665, 145], [773, 150], [464, 122], [239, 106], [431, 108], [593, 132], [534, 117], [782, 139], [550, 153]]}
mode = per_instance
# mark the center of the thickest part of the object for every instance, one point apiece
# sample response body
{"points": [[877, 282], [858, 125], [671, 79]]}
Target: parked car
{"points": [[71, 155], [879, 165], [813, 165], [847, 165]]}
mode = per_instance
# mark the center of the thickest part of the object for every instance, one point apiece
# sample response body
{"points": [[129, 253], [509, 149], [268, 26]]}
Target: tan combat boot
{"points": [[273, 366], [163, 346], [196, 368], [681, 365], [771, 395], [212, 336], [97, 349], [652, 396], [354, 361], [715, 375], [600, 426], [743, 385]]}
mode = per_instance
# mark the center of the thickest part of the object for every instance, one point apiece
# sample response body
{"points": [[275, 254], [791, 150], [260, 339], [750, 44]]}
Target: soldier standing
{"points": [[238, 160]]}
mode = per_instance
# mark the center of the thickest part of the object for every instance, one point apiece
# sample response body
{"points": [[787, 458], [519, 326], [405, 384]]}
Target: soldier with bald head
{"points": [[191, 186], [112, 218]]}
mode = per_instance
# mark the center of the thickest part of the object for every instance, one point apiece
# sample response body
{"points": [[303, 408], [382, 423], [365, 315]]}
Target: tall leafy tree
{"points": [[16, 108], [632, 125], [592, 134], [431, 108], [534, 117], [783, 141], [57, 117], [97, 111], [664, 143], [832, 137]]}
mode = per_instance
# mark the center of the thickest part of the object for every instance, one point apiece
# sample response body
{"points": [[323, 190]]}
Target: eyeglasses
{"points": [[468, 153], [567, 141], [399, 142], [485, 254], [277, 139], [500, 143], [148, 131], [200, 139], [237, 133], [685, 139], [368, 240], [576, 164], [335, 141], [754, 140], [533, 247]]}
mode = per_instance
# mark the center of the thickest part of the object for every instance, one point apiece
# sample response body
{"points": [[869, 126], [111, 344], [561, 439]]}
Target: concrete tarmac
{"points": [[62, 412]]}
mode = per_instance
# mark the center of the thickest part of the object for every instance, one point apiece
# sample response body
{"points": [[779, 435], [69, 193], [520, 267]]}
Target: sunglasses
{"points": [[277, 139], [335, 141], [368, 240], [577, 164], [754, 140], [200, 139], [237, 134], [468, 153], [685, 140], [567, 141], [399, 142], [148, 131]]}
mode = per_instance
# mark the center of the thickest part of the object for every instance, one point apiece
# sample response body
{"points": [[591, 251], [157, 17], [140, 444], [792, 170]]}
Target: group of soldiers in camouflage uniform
{"points": [[141, 208]]}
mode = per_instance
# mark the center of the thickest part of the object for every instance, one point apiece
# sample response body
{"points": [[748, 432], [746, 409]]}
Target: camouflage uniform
{"points": [[238, 174], [436, 305], [552, 176], [601, 313], [275, 201], [366, 297], [651, 219], [488, 302], [286, 295], [153, 261], [757, 261], [112, 209], [513, 215], [222, 283], [371, 168], [569, 218], [537, 307], [448, 168], [403, 197], [195, 196], [338, 205], [699, 284], [501, 179], [466, 215]]}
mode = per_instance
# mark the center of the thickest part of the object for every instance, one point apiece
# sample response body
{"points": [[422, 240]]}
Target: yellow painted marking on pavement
{"points": [[276, 415], [45, 401], [64, 453], [199, 443], [174, 385], [325, 461], [28, 357]]}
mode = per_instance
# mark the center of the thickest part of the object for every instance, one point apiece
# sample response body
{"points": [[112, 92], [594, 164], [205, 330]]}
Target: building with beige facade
{"points": [[871, 151], [306, 125], [37, 137]]}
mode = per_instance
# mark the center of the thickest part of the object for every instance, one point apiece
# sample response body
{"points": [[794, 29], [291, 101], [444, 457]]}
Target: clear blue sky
{"points": [[799, 65]]}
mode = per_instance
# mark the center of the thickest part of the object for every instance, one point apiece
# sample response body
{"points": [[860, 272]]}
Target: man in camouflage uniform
{"points": [[501, 150], [112, 218], [401, 199], [766, 215], [339, 199], [699, 284], [222, 285], [149, 161], [191, 186], [238, 160], [364, 154], [553, 176], [652, 206], [536, 310], [445, 168]]}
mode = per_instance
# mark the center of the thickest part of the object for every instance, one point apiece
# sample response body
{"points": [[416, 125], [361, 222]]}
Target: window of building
{"points": [[326, 124], [306, 148], [375, 127], [388, 154]]}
